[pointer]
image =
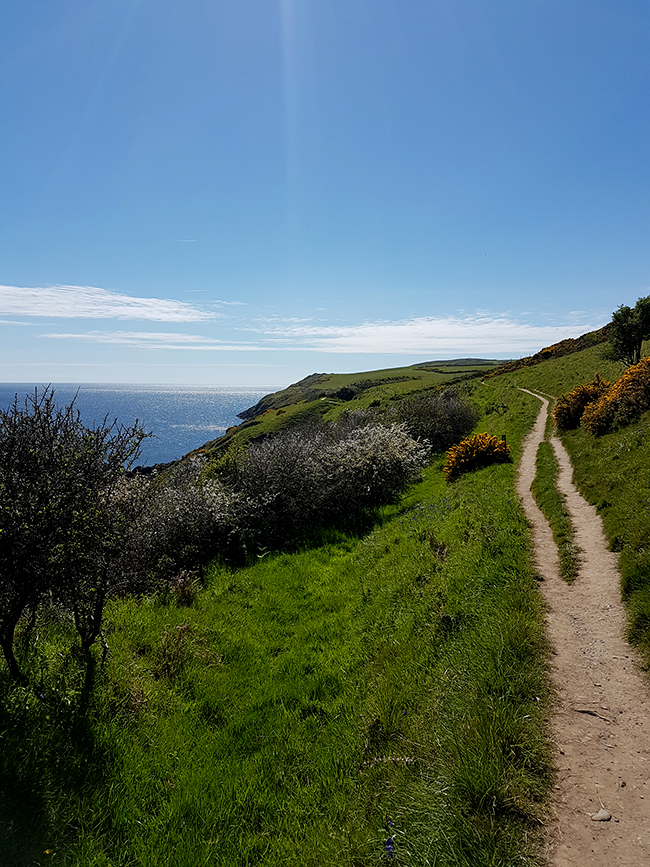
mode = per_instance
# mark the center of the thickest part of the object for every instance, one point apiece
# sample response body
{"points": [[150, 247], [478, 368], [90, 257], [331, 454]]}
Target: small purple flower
{"points": [[390, 847]]}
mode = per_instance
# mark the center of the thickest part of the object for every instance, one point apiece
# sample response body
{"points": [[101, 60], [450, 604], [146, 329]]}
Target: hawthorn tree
{"points": [[64, 511], [630, 327]]}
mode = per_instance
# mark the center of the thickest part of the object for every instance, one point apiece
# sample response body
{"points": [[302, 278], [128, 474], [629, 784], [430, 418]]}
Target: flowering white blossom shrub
{"points": [[316, 475], [187, 519], [274, 492]]}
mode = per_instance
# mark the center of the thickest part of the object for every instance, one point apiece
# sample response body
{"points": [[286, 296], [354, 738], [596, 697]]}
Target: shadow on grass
{"points": [[339, 533], [49, 755]]}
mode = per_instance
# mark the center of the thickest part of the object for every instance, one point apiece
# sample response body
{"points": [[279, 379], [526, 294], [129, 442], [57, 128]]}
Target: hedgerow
{"points": [[474, 452], [186, 519], [269, 494], [623, 403], [570, 407]]}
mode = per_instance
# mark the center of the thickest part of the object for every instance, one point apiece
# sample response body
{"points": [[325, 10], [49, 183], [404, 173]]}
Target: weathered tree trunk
{"points": [[89, 623], [8, 624], [7, 646]]}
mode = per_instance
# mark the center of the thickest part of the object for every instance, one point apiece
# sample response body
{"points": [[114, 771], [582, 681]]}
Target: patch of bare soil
{"points": [[601, 722]]}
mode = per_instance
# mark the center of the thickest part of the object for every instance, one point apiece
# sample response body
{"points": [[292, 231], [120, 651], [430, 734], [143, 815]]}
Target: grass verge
{"points": [[613, 473], [553, 505]]}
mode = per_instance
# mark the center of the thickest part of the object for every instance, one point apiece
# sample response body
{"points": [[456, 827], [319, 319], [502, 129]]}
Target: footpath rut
{"points": [[601, 714]]}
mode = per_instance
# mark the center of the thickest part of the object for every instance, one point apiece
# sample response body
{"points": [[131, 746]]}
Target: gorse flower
{"points": [[474, 452], [570, 407], [623, 403]]}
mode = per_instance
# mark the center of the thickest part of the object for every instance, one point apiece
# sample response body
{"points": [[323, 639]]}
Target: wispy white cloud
{"points": [[156, 340], [90, 302], [479, 334]]}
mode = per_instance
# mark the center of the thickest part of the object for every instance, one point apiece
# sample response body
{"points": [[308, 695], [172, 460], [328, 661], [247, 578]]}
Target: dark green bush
{"points": [[442, 418], [64, 511]]}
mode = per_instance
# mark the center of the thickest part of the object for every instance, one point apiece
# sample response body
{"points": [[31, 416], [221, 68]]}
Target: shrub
{"points": [[441, 418], [570, 407], [475, 452], [623, 403], [371, 466], [279, 481], [186, 519], [301, 479]]}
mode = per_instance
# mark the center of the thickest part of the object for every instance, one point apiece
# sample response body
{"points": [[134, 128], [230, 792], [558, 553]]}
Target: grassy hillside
{"points": [[612, 472], [569, 346], [347, 386], [560, 375], [378, 698], [326, 396], [374, 697]]}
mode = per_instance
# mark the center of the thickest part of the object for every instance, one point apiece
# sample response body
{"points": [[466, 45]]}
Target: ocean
{"points": [[181, 418]]}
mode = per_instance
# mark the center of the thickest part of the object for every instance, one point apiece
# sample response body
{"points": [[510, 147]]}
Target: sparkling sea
{"points": [[181, 417]]}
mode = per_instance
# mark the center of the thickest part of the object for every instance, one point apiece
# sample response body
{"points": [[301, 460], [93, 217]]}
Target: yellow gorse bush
{"points": [[624, 403], [477, 451], [570, 407]]}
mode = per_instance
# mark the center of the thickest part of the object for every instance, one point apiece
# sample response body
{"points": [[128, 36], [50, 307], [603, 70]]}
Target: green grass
{"points": [[553, 505], [561, 375], [613, 473], [304, 709]]}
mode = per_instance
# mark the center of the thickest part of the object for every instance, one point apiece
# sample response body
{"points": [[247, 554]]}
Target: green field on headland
{"points": [[374, 694], [327, 395]]}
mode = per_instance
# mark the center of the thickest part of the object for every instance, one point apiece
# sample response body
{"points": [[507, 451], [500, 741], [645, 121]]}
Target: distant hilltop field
{"points": [[328, 395], [349, 386]]}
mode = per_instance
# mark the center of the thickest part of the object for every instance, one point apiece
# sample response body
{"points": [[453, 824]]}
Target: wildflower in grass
{"points": [[389, 846]]}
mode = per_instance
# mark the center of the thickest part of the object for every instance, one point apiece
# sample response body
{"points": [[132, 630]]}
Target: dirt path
{"points": [[601, 721]]}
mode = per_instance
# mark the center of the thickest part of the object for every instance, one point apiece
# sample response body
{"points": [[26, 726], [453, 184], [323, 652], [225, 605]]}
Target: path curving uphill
{"points": [[601, 715]]}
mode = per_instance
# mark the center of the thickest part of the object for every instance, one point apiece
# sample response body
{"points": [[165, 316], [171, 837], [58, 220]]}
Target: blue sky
{"points": [[247, 191]]}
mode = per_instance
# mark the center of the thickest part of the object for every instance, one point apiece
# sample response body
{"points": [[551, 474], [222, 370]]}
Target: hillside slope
{"points": [[612, 472], [326, 396], [569, 346]]}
